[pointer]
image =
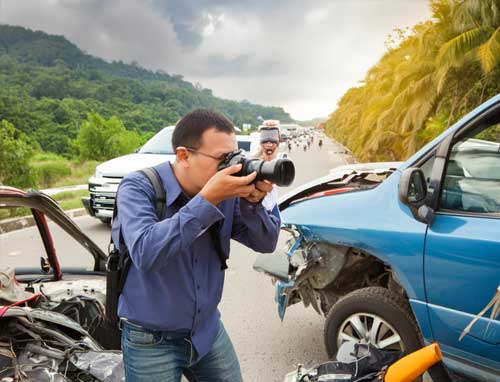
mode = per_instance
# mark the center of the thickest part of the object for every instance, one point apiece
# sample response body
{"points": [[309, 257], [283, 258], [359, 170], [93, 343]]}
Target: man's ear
{"points": [[182, 156]]}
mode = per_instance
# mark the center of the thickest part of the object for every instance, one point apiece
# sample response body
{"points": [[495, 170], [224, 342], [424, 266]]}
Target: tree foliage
{"points": [[15, 155], [100, 139], [438, 72], [49, 86]]}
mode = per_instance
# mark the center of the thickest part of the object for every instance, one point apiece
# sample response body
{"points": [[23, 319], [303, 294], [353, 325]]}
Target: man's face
{"points": [[216, 144]]}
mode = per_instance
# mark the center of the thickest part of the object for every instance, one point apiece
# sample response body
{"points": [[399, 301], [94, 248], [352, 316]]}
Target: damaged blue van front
{"points": [[399, 255]]}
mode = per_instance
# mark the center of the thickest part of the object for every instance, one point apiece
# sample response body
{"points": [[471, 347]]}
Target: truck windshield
{"points": [[160, 143], [244, 145]]}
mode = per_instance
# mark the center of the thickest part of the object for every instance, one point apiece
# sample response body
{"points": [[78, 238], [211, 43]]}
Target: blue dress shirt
{"points": [[175, 282]]}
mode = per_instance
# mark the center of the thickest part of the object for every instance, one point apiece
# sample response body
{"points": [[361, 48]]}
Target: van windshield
{"points": [[160, 143]]}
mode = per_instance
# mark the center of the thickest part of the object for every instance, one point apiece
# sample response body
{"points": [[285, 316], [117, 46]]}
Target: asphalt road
{"points": [[267, 348]]}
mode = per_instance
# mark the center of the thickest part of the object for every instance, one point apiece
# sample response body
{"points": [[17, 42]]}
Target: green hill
{"points": [[48, 86]]}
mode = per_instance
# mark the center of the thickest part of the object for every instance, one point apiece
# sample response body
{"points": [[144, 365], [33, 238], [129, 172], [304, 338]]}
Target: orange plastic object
{"points": [[408, 368]]}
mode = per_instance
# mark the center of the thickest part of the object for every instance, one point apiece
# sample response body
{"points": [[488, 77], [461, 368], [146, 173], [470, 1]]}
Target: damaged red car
{"points": [[52, 316]]}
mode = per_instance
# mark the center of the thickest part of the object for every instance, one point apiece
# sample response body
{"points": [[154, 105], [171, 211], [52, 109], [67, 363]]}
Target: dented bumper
{"points": [[302, 271]]}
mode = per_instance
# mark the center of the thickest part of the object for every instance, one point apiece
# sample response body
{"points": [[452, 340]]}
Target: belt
{"points": [[166, 333]]}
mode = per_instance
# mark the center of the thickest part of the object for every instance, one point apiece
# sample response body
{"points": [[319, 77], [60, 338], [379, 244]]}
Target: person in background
{"points": [[269, 144]]}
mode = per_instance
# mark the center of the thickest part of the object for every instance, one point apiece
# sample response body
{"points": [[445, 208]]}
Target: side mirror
{"points": [[413, 193]]}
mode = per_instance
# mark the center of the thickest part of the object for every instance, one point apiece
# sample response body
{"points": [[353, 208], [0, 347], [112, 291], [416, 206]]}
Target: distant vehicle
{"points": [[292, 129], [108, 175], [249, 143], [398, 255]]}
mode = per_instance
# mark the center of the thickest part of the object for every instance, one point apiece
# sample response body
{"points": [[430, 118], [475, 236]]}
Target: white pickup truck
{"points": [[108, 175]]}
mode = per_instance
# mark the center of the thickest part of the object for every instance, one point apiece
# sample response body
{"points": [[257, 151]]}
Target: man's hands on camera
{"points": [[262, 187], [224, 185]]}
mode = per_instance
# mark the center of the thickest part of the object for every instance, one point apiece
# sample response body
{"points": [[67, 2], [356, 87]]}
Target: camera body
{"points": [[278, 171]]}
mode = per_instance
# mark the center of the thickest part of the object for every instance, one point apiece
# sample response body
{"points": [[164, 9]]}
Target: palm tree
{"points": [[432, 73], [476, 36]]}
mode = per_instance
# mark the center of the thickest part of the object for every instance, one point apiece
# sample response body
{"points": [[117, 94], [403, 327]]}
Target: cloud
{"points": [[301, 55], [218, 65], [126, 30]]}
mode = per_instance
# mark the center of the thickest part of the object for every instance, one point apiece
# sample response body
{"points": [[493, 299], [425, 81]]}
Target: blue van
{"points": [[403, 254]]}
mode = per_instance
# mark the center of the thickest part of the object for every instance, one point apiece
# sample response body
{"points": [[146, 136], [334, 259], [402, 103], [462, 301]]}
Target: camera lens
{"points": [[279, 171]]}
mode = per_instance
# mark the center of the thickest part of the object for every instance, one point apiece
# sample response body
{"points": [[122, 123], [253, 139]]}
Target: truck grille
{"points": [[102, 196]]}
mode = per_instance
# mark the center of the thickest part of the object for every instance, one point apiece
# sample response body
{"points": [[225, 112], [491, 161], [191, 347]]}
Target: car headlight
{"points": [[98, 174]]}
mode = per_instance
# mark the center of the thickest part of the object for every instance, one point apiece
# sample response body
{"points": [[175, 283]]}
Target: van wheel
{"points": [[372, 315]]}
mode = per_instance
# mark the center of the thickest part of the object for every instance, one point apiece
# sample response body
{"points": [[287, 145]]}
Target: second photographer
{"points": [[269, 144]]}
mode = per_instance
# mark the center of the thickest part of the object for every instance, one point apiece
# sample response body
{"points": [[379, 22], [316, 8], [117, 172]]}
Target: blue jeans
{"points": [[156, 356]]}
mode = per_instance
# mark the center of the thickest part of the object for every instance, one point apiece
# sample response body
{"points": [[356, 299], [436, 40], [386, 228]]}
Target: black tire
{"points": [[106, 221], [379, 302]]}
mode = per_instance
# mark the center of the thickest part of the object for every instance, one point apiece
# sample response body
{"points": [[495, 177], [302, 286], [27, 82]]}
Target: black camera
{"points": [[278, 171]]}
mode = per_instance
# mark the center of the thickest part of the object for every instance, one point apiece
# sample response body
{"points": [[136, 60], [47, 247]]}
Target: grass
{"points": [[52, 171], [68, 200], [7, 213], [80, 174], [69, 195]]}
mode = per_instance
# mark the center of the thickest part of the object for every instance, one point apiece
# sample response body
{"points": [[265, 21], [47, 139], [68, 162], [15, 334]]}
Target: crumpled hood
{"points": [[336, 175], [121, 166]]}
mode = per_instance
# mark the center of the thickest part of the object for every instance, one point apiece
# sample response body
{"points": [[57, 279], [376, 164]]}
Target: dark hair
{"points": [[191, 127]]}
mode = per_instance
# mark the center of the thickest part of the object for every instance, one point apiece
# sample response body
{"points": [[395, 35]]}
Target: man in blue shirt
{"points": [[168, 307]]}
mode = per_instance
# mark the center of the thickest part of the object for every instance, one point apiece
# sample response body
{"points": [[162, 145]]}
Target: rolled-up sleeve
{"points": [[151, 242], [256, 227]]}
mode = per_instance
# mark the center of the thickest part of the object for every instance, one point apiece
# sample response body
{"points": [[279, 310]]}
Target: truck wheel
{"points": [[372, 315], [106, 221]]}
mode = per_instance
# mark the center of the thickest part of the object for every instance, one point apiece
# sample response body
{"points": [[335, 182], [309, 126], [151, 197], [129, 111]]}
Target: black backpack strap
{"points": [[119, 262], [161, 196], [125, 261], [155, 180]]}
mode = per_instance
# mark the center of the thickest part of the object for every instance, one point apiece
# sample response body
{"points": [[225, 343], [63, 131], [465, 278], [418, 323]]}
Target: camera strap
{"points": [[214, 231], [160, 193]]}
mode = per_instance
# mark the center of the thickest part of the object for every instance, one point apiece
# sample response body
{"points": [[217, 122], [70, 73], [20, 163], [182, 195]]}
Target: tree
{"points": [[15, 155], [475, 30], [101, 139], [439, 70], [48, 86]]}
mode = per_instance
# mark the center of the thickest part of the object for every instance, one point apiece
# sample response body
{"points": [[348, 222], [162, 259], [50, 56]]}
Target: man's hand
{"points": [[262, 187], [224, 185]]}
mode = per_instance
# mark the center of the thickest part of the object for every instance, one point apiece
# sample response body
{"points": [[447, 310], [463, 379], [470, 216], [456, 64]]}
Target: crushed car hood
{"points": [[338, 174], [46, 346]]}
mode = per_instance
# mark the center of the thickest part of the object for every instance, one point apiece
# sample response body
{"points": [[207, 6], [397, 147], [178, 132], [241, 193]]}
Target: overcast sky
{"points": [[301, 55]]}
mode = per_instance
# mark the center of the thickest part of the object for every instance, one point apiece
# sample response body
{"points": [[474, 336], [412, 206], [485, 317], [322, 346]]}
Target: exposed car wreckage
{"points": [[315, 272], [52, 320], [354, 362], [365, 363]]}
